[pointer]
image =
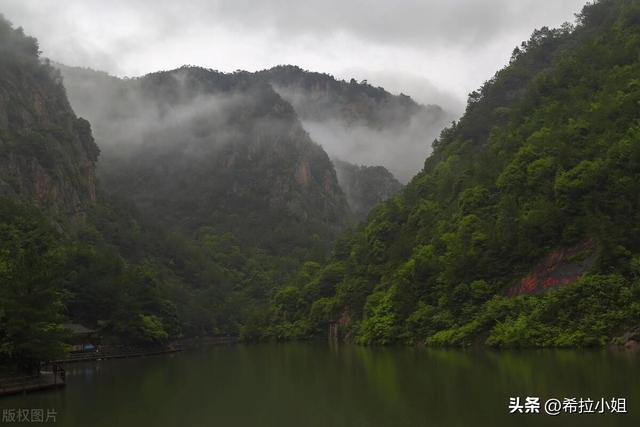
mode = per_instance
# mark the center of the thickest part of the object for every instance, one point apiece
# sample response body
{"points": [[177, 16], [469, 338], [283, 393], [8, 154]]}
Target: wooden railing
{"points": [[117, 352]]}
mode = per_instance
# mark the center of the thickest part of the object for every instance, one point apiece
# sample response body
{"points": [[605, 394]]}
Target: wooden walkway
{"points": [[115, 353], [52, 378], [24, 384], [106, 352]]}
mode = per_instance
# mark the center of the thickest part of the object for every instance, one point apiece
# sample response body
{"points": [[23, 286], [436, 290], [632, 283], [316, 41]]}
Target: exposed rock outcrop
{"points": [[560, 268], [47, 154], [194, 147]]}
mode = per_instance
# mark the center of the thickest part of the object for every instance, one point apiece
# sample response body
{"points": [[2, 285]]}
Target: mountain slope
{"points": [[46, 153], [47, 189], [355, 113], [534, 192], [365, 186], [194, 148], [195, 257]]}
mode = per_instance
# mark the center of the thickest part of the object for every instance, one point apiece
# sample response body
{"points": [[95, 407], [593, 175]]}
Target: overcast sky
{"points": [[437, 51]]}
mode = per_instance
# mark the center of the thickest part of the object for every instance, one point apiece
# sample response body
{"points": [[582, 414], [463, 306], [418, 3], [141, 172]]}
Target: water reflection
{"points": [[338, 385]]}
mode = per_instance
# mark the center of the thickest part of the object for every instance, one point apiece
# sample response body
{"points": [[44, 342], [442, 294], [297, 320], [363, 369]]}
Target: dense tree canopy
{"points": [[546, 156], [521, 230]]}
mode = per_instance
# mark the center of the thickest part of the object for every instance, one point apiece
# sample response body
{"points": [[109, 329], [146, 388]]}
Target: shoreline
{"points": [[52, 380]]}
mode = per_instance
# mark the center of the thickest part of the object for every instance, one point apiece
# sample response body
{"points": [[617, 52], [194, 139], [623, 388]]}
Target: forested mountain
{"points": [[359, 123], [365, 122], [214, 209], [365, 186], [196, 148], [523, 227], [47, 186], [321, 97], [210, 194]]}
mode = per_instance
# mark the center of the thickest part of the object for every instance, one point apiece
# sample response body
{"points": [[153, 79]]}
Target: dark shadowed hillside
{"points": [[47, 188], [365, 186], [126, 115], [210, 195], [194, 148]]}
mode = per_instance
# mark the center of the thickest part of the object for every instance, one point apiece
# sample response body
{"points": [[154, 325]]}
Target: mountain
{"points": [[47, 189], [210, 193], [321, 97], [368, 124], [196, 148], [522, 228], [47, 154], [215, 210], [359, 123], [365, 186]]}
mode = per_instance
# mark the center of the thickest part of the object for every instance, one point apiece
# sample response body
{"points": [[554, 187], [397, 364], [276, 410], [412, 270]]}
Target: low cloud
{"points": [[400, 149], [128, 118], [453, 45]]}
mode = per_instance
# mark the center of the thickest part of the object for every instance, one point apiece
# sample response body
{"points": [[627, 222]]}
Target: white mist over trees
{"points": [[194, 147], [171, 116], [401, 149], [359, 123]]}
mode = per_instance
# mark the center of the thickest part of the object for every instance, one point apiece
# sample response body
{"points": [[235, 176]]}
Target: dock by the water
{"points": [[52, 374], [106, 352], [45, 380]]}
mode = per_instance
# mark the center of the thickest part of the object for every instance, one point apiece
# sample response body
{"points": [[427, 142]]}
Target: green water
{"points": [[322, 385]]}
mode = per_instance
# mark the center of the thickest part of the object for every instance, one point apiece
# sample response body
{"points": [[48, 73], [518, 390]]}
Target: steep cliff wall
{"points": [[47, 154], [197, 148]]}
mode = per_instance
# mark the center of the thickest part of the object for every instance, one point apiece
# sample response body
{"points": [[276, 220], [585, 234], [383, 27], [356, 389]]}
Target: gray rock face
{"points": [[47, 154]]}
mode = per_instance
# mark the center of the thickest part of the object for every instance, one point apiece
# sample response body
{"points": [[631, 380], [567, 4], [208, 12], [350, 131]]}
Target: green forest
{"points": [[522, 229], [547, 155]]}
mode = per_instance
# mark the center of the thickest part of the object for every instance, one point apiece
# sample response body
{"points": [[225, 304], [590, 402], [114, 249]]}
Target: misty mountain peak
{"points": [[358, 122], [194, 147]]}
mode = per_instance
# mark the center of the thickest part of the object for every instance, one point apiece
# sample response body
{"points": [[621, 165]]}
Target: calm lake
{"points": [[338, 385]]}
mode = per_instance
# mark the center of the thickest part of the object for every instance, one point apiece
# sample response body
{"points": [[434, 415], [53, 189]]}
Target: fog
{"points": [[400, 149], [437, 52], [128, 118], [394, 132], [409, 46], [128, 115]]}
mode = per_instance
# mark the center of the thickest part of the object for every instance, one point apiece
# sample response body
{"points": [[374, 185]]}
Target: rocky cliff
{"points": [[47, 154], [197, 148]]}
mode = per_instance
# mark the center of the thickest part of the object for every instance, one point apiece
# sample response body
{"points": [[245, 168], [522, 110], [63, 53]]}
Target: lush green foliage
{"points": [[229, 192], [31, 295], [546, 155]]}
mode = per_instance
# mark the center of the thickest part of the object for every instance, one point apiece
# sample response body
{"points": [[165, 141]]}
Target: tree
{"points": [[31, 299]]}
